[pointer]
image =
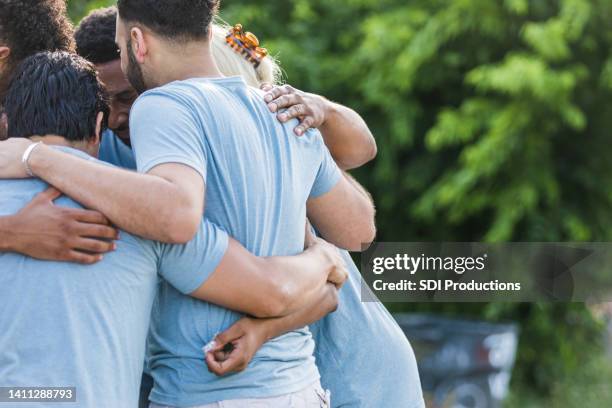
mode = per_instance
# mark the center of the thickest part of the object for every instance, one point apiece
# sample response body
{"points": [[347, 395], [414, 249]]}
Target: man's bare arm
{"points": [[274, 286], [248, 334], [345, 133], [345, 215], [164, 205]]}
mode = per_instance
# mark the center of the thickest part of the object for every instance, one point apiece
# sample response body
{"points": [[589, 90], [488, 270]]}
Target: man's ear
{"points": [[139, 44], [3, 127], [5, 53], [99, 119]]}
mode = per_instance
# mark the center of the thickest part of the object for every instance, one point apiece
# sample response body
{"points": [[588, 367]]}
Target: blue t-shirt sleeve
{"points": [[188, 266], [163, 129], [328, 175]]}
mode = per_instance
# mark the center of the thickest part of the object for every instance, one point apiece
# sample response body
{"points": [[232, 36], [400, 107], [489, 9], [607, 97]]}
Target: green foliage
{"points": [[492, 124], [79, 8]]}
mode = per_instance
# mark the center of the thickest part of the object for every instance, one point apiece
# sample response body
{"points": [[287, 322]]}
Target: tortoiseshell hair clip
{"points": [[246, 44]]}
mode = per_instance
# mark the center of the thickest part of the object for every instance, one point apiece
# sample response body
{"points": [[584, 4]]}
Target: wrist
{"points": [[7, 230], [262, 328], [37, 159], [330, 111]]}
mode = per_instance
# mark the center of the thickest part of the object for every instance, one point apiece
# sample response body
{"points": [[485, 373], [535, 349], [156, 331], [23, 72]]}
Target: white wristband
{"points": [[25, 159]]}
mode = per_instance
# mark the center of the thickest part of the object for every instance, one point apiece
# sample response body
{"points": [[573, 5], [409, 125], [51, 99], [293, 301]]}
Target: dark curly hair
{"points": [[55, 93], [95, 36], [31, 26], [176, 19]]}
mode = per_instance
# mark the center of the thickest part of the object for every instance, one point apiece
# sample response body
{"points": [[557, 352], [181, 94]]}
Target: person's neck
{"points": [[54, 140], [190, 61]]}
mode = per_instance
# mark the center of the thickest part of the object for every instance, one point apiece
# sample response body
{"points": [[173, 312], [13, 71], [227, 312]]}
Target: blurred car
{"points": [[462, 363]]}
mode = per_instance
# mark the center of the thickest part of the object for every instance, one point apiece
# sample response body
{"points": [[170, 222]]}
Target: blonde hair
{"points": [[231, 63]]}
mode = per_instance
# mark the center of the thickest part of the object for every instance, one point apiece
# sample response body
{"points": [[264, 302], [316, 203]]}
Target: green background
{"points": [[492, 119]]}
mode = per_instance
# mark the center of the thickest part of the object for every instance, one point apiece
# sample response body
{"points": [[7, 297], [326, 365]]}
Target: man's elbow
{"points": [[364, 231], [362, 238], [373, 151], [181, 226]]}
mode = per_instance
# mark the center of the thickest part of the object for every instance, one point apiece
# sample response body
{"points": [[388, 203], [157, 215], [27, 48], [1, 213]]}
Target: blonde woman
{"points": [[362, 354]]}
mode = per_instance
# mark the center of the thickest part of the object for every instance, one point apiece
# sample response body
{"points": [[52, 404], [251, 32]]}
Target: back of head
{"points": [[31, 26], [175, 19], [232, 63], [55, 93], [95, 36]]}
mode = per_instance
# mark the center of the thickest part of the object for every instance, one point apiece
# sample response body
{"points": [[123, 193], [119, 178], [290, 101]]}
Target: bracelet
{"points": [[25, 159]]}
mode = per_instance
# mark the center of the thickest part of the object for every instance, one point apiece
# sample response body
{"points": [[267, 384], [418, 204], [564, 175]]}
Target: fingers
{"points": [[94, 245], [83, 258], [236, 362], [232, 334], [88, 216], [266, 87], [295, 111], [306, 124], [284, 101], [278, 91], [50, 194], [96, 231]]}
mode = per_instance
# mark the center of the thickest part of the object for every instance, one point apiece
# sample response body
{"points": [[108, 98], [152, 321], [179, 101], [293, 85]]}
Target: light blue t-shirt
{"points": [[356, 329], [364, 358], [258, 178], [71, 325], [114, 151]]}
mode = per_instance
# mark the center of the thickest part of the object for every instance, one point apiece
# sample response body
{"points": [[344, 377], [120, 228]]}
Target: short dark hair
{"points": [[31, 26], [95, 36], [55, 93], [174, 19]]}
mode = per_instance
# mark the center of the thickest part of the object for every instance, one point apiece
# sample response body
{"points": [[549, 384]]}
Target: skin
{"points": [[42, 230], [346, 134], [172, 194], [262, 287], [335, 119], [5, 66], [121, 95]]}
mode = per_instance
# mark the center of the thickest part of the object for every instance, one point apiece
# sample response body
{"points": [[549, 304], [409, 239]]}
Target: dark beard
{"points": [[134, 71]]}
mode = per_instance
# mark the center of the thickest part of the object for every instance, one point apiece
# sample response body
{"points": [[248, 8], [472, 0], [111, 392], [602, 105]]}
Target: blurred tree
{"points": [[491, 123], [79, 8], [491, 120]]}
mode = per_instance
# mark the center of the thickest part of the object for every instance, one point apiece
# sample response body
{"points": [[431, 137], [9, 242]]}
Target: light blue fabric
{"points": [[114, 151], [364, 357], [258, 177], [70, 325], [359, 329]]}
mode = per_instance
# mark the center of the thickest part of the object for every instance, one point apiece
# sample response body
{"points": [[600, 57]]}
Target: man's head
{"points": [[95, 41], [28, 27], [147, 28], [57, 93]]}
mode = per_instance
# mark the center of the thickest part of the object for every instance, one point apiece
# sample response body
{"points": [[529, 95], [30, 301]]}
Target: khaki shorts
{"points": [[311, 397]]}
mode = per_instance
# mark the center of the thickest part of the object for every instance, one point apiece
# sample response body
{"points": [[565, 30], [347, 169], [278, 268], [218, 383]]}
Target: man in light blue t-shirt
{"points": [[356, 329], [210, 137], [69, 325]]}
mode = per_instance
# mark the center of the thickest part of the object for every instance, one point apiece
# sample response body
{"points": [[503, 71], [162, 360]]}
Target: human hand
{"points": [[45, 231], [234, 348], [338, 272], [290, 103]]}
